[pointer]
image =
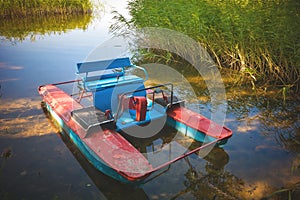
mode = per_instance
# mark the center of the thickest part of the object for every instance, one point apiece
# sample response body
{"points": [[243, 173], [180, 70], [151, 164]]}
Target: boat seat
{"points": [[101, 84], [106, 79], [102, 69], [97, 75], [138, 104]]}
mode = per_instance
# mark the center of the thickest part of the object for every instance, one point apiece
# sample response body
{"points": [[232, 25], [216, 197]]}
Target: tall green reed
{"points": [[259, 40], [20, 8]]}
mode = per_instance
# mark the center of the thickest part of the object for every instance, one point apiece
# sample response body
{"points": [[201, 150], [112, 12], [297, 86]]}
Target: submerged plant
{"points": [[6, 153], [284, 193]]}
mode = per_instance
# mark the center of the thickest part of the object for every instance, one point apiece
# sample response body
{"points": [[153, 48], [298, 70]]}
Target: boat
{"points": [[113, 111]]}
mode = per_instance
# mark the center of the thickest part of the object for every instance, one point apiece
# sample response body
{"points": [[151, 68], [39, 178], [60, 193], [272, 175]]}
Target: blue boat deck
{"points": [[127, 118]]}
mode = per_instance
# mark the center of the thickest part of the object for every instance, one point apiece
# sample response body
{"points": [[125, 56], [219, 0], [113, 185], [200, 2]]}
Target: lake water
{"points": [[37, 162]]}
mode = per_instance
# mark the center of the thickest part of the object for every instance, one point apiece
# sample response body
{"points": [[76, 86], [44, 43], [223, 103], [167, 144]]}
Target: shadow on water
{"points": [[214, 173], [17, 29], [110, 188]]}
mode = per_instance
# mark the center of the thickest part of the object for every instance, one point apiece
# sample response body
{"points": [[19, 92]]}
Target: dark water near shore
{"points": [[37, 162]]}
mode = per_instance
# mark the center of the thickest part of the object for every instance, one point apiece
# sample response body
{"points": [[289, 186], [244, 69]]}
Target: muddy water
{"points": [[37, 162]]}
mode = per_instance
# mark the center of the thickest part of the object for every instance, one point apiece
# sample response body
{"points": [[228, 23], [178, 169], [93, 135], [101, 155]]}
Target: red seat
{"points": [[139, 104]]}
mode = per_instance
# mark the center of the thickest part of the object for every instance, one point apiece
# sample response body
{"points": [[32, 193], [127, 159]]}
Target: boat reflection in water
{"points": [[109, 187], [113, 189]]}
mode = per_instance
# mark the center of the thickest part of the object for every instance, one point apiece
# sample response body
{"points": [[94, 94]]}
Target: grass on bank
{"points": [[21, 8], [258, 39]]}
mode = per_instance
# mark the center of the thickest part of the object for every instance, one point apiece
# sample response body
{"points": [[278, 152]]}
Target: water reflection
{"points": [[0, 91], [32, 27], [192, 178], [213, 175], [266, 139], [110, 188], [267, 112], [37, 169], [23, 118], [215, 181], [261, 160]]}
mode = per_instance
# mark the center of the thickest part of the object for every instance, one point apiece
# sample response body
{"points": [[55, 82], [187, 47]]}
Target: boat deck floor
{"points": [[88, 116]]}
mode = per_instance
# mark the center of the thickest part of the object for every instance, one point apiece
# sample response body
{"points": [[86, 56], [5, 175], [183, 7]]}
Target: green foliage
{"points": [[20, 19], [18, 29], [259, 39], [21, 8]]}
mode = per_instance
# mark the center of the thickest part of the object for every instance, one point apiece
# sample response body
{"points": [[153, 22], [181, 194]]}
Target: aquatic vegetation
{"points": [[257, 39], [21, 8], [6, 153]]}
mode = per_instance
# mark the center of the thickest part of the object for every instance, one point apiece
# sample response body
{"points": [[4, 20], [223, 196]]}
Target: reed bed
{"points": [[259, 41], [21, 8]]}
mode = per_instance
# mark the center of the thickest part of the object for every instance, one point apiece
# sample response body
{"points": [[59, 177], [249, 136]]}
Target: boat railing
{"points": [[80, 94], [124, 95], [143, 69], [96, 75]]}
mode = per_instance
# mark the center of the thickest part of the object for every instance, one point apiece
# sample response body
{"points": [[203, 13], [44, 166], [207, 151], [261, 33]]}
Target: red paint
{"points": [[137, 103], [108, 145], [113, 148], [140, 105], [199, 122]]}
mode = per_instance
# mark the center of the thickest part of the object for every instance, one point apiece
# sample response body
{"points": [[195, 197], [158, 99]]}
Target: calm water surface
{"points": [[37, 162]]}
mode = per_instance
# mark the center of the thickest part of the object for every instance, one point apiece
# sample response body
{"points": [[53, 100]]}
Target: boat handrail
{"points": [[89, 130], [143, 69], [116, 116]]}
